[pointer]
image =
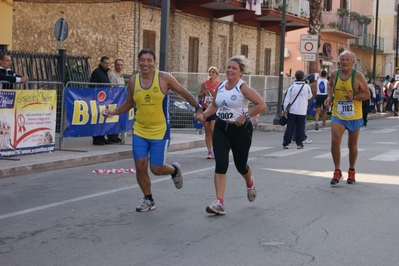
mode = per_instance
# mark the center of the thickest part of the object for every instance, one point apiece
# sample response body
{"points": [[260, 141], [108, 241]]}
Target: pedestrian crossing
{"points": [[309, 151]]}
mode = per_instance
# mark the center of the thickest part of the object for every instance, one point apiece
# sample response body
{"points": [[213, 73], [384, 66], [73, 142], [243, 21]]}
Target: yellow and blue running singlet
{"points": [[152, 119], [343, 109]]}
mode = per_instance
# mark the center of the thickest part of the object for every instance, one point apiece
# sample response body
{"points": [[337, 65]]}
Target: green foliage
{"points": [[368, 71]]}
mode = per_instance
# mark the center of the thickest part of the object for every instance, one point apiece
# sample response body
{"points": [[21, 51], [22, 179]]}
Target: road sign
{"points": [[308, 57], [309, 44], [61, 31]]}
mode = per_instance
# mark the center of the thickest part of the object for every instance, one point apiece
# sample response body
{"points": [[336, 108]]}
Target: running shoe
{"points": [[300, 147], [307, 141], [178, 179], [316, 126], [286, 147], [323, 127], [351, 177], [251, 192], [216, 208], [209, 156], [147, 205], [336, 178]]}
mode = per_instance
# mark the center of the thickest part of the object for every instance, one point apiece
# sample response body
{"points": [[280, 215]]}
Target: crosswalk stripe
{"points": [[384, 131], [203, 149], [344, 153], [389, 156], [285, 153]]}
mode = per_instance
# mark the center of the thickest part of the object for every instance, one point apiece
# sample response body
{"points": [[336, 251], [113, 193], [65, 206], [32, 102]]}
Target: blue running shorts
{"points": [[350, 125], [155, 148]]}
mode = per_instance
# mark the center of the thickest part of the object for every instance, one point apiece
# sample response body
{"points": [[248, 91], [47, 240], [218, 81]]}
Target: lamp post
{"points": [[163, 57], [280, 79], [375, 38]]}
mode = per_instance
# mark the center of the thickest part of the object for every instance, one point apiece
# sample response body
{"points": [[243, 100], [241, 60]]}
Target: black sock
{"points": [[351, 169], [149, 197], [175, 172]]}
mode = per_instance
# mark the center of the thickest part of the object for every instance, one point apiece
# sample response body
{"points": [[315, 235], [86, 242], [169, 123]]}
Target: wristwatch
{"points": [[198, 107], [247, 115]]}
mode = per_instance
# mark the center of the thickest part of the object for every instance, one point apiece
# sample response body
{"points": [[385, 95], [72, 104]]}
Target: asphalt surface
{"points": [[80, 151]]}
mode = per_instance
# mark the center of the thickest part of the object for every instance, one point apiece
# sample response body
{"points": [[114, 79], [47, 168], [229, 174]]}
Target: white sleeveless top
{"points": [[232, 103], [321, 86]]}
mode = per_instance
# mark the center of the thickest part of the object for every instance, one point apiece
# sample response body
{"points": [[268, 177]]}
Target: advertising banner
{"points": [[27, 121], [84, 108]]}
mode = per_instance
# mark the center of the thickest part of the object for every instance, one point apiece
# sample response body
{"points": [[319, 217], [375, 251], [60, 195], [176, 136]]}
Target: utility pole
{"points": [[280, 79], [375, 38], [164, 45]]}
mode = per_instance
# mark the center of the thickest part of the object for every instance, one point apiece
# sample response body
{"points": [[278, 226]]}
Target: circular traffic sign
{"points": [[308, 46]]}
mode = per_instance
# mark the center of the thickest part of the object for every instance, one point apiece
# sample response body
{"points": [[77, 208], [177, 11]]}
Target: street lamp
{"points": [[280, 79], [375, 38]]}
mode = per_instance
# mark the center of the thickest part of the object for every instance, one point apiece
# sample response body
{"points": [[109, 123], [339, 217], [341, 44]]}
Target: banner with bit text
{"points": [[84, 106], [27, 121]]}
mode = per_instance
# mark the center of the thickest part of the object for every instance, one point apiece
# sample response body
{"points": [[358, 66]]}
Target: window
{"points": [[244, 50], [343, 4], [268, 54], [327, 5], [193, 48], [149, 38]]}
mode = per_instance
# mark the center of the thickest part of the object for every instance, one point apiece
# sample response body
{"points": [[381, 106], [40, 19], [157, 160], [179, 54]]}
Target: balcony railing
{"points": [[342, 23], [367, 42], [299, 8]]}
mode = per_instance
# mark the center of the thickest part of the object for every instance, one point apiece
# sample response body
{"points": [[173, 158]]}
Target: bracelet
{"points": [[247, 115]]}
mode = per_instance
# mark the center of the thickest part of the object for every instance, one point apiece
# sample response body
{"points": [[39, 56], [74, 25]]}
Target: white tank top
{"points": [[322, 86], [232, 103]]}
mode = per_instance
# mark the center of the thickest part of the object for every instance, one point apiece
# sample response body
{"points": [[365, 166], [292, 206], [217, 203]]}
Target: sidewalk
{"points": [[80, 151]]}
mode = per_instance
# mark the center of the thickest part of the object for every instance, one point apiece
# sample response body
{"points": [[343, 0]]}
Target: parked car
{"points": [[181, 112]]}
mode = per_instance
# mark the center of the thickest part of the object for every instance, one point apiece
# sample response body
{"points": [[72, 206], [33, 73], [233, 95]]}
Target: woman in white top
{"points": [[233, 129]]}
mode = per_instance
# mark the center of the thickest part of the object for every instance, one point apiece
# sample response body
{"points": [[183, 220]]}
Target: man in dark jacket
{"points": [[6, 74], [100, 75]]}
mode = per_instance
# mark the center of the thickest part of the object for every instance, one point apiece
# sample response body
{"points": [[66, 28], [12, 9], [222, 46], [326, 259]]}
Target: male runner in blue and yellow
{"points": [[148, 93], [347, 89]]}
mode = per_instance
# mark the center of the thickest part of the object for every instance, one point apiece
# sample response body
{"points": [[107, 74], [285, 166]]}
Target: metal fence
{"points": [[50, 67]]}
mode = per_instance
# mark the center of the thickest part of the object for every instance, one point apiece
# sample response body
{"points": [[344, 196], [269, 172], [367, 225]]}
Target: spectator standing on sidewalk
{"points": [[116, 77], [295, 106], [207, 93], [6, 74], [370, 84], [378, 98], [321, 96], [347, 89], [148, 93], [100, 75], [233, 129]]}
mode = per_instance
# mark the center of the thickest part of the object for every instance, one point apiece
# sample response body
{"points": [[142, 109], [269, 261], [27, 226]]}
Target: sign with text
{"points": [[84, 107], [308, 57], [27, 123], [309, 44]]}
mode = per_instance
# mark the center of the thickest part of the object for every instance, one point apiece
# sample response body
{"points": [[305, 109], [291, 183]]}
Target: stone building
{"points": [[202, 34]]}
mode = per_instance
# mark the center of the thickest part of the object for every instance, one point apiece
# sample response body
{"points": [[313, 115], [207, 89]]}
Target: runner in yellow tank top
{"points": [[348, 88], [148, 94]]}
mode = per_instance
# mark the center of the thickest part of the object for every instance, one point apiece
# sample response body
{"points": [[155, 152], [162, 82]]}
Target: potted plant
{"points": [[332, 24], [354, 15], [366, 20], [342, 11]]}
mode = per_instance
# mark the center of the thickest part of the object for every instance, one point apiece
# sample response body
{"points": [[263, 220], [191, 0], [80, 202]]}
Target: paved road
{"points": [[75, 217]]}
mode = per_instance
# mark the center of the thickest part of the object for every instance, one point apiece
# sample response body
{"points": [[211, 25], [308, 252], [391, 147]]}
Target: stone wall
{"points": [[116, 30]]}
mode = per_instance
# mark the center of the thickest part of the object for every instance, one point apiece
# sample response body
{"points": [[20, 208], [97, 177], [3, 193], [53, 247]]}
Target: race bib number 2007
{"points": [[345, 108]]}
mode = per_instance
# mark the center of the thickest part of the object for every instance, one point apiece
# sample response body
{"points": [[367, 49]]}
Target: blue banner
{"points": [[84, 108]]}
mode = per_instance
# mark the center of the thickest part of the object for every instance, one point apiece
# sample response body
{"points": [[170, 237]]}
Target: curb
{"points": [[87, 159]]}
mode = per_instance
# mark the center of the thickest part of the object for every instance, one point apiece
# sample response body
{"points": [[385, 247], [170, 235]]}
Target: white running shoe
{"points": [[216, 208], [178, 179], [147, 205], [307, 141], [251, 192]]}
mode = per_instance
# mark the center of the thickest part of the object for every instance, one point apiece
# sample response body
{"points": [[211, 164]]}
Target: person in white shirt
{"points": [[321, 96], [116, 77], [295, 107]]}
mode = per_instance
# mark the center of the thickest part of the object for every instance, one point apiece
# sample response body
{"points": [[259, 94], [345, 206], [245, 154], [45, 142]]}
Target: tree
{"points": [[315, 21]]}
